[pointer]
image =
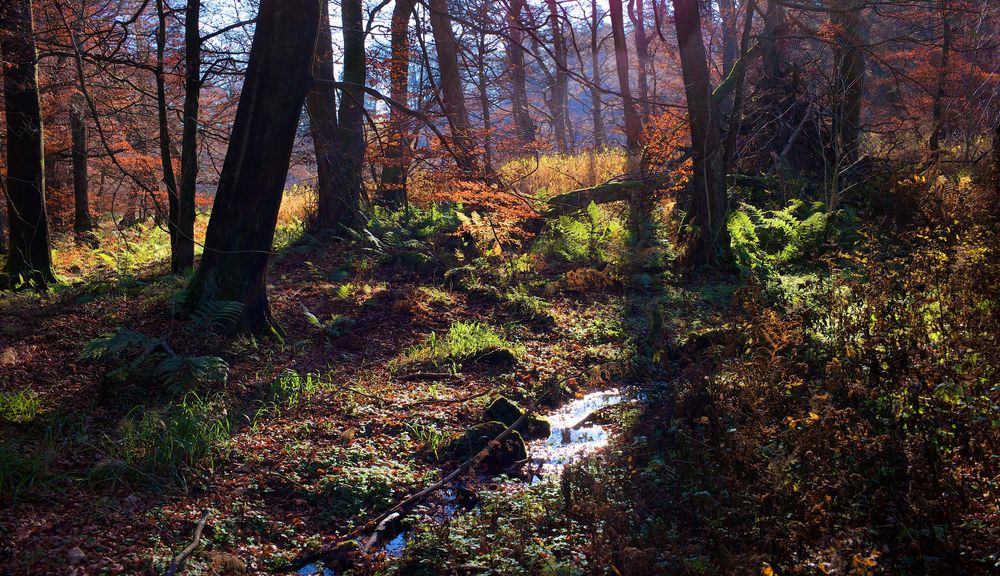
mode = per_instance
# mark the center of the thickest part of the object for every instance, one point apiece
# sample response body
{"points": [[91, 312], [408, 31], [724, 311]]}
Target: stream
{"points": [[573, 436]]}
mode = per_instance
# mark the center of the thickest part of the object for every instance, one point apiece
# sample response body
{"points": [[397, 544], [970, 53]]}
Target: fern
{"points": [[136, 355], [213, 317], [113, 345], [763, 240]]}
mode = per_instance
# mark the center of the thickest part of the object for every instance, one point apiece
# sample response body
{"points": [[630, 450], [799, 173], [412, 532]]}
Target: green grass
{"points": [[20, 406], [464, 341], [169, 442]]}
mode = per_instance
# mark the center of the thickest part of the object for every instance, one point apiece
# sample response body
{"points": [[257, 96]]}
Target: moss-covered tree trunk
{"points": [[29, 262], [241, 229]]}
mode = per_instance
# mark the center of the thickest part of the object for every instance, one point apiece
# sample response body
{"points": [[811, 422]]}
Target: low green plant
{"points": [[168, 442], [289, 388], [463, 342], [20, 406], [763, 240], [429, 436], [588, 238], [136, 355], [515, 531], [337, 325]]}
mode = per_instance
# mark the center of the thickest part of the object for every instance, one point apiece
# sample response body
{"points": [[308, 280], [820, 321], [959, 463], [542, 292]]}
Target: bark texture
{"points": [[241, 229], [82, 223], [182, 258], [397, 157], [29, 260], [706, 215]]}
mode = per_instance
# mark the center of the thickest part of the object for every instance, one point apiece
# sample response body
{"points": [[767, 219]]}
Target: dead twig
{"points": [[178, 562]]}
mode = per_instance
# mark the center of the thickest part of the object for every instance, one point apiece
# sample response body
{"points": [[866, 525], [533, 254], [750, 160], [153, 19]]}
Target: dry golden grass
{"points": [[553, 174]]}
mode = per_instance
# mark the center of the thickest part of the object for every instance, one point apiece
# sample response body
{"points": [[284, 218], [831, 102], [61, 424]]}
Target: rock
{"points": [[496, 357], [510, 451], [507, 411], [75, 556]]}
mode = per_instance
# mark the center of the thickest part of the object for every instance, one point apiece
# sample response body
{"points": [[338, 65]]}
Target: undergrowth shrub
{"points": [[593, 237], [522, 532], [133, 355], [764, 240], [859, 426], [464, 342]]}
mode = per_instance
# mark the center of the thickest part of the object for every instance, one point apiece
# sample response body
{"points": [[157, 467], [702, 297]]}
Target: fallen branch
{"points": [[178, 562], [410, 501]]}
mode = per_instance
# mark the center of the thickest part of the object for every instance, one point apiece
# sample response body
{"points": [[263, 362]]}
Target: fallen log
{"points": [[577, 200]]}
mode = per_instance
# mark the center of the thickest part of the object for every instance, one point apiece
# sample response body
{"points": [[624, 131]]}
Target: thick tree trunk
{"points": [[519, 92], [595, 78], [241, 229], [560, 86], [708, 206], [451, 86], [182, 258], [321, 105], [397, 158], [351, 118], [937, 109], [29, 260], [166, 159], [849, 80], [82, 223]]}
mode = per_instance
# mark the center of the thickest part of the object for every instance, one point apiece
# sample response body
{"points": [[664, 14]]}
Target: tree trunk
{"points": [[730, 46], [29, 260], [633, 125], [849, 79], [484, 95], [595, 78], [560, 86], [182, 258], [351, 118], [166, 160], [321, 105], [451, 85], [241, 229], [637, 14], [82, 224], [519, 92], [772, 80], [640, 205], [708, 206], [736, 109], [937, 109], [397, 158]]}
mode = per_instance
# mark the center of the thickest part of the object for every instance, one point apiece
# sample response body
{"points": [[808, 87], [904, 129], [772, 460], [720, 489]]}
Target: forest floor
{"points": [[734, 454], [321, 431]]}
